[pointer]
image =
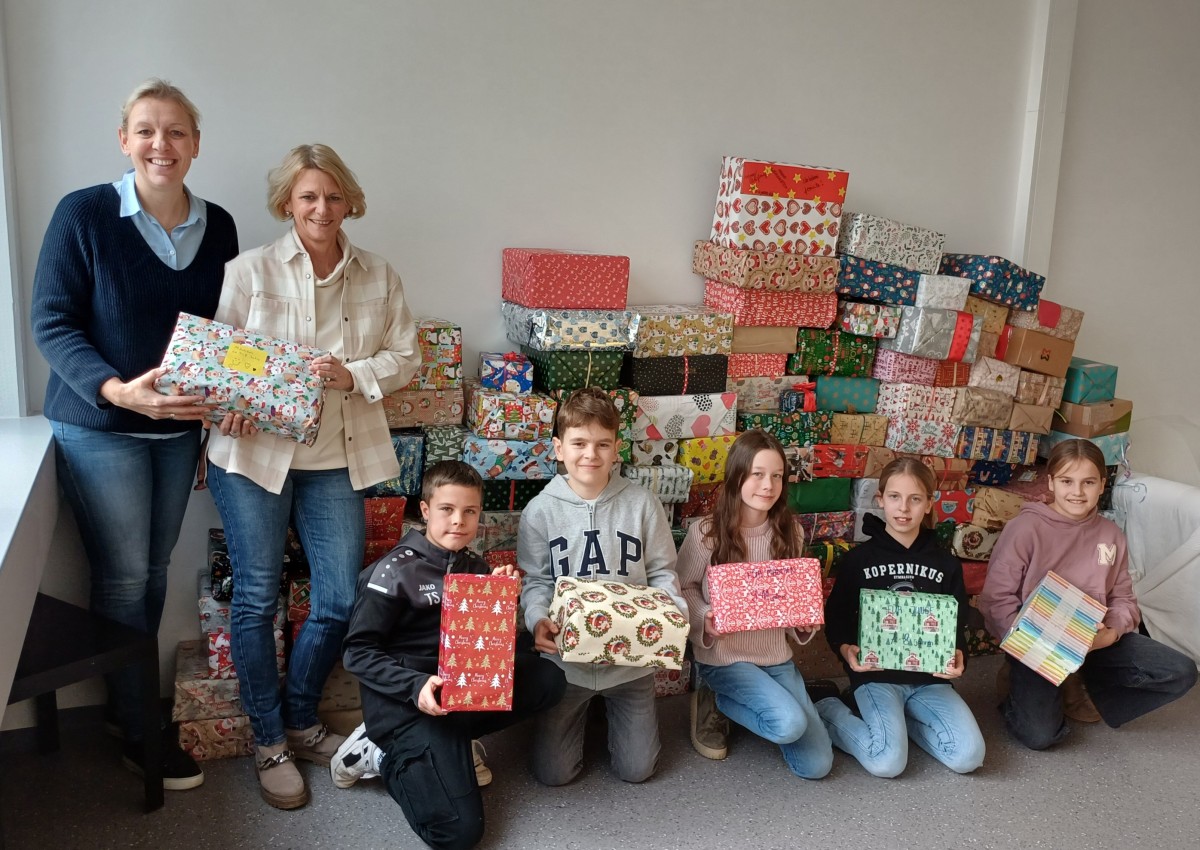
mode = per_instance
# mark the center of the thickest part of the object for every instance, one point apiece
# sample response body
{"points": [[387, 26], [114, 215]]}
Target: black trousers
{"points": [[429, 768]]}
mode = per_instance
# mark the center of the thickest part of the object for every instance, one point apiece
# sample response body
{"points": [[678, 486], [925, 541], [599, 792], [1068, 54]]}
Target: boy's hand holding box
{"points": [[767, 595], [478, 638], [913, 632], [1054, 629], [608, 622]]}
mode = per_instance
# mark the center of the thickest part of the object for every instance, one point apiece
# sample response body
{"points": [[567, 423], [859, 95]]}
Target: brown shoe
{"points": [[316, 743], [709, 727], [279, 781], [483, 773], [1077, 705]]}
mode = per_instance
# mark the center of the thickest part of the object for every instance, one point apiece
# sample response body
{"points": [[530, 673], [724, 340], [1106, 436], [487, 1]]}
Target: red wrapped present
{"points": [[376, 549], [762, 307], [826, 525], [501, 557], [957, 505], [478, 637], [560, 280], [701, 500], [768, 595], [952, 373], [831, 460], [669, 683], [757, 365], [974, 573], [385, 517]]}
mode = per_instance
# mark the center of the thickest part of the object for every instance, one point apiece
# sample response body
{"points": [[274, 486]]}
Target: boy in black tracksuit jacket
{"points": [[423, 753]]}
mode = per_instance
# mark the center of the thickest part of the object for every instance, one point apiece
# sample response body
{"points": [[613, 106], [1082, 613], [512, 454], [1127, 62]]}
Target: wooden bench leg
{"points": [[151, 724], [47, 722]]}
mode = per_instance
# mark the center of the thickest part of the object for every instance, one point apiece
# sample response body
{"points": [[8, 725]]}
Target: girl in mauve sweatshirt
{"points": [[1126, 673]]}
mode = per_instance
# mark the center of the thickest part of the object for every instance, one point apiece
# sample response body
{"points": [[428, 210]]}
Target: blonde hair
{"points": [[323, 158], [915, 469], [157, 88]]}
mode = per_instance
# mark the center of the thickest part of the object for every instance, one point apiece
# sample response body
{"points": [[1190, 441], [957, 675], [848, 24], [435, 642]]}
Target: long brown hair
{"points": [[723, 530], [921, 472]]}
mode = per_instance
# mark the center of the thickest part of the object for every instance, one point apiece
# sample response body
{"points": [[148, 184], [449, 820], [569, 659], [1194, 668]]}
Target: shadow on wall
{"points": [[1166, 447]]}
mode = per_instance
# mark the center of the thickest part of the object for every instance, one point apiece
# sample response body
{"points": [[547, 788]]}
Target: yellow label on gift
{"points": [[244, 358]]}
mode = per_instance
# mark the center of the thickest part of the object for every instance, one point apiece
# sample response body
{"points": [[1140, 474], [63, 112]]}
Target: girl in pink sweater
{"points": [[1126, 673], [751, 673]]}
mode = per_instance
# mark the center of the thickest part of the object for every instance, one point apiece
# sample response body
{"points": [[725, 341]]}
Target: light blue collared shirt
{"points": [[179, 247]]}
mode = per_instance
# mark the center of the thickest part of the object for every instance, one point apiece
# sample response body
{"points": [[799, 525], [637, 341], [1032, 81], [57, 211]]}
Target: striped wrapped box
{"points": [[1054, 629]]}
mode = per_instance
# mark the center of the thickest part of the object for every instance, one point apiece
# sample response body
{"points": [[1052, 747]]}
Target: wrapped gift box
{"points": [[944, 292], [922, 436], [1050, 318], [763, 307], [1039, 389], [877, 458], [873, 320], [773, 270], [497, 530], [409, 408], [683, 416], [341, 691], [990, 374], [898, 367], [863, 493], [832, 353], [1035, 351], [1088, 382], [800, 398], [409, 447], [974, 575], [996, 279], [215, 614], [757, 365], [572, 370], [1054, 629], [761, 393], [264, 379], [443, 442], [756, 339], [951, 373], [671, 683], [560, 280], [1115, 447], [1095, 420], [778, 206], [220, 660], [510, 495], [701, 501], [954, 505], [936, 334], [510, 371], [832, 460], [992, 473], [973, 542], [977, 443], [655, 452], [680, 330], [988, 344], [992, 316], [915, 401], [217, 738], [625, 400], [862, 278], [860, 516], [821, 495], [827, 525], [864, 428], [1033, 418], [873, 237], [847, 395], [498, 415], [373, 550], [197, 695], [791, 429], [799, 461], [827, 553], [670, 482], [705, 457], [913, 632], [385, 517], [950, 473], [441, 356], [977, 406], [478, 640], [510, 459], [693, 373], [544, 329], [607, 622], [768, 595], [500, 558], [994, 508]]}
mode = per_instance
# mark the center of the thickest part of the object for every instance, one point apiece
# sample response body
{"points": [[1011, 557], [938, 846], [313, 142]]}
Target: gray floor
{"points": [[1138, 787]]}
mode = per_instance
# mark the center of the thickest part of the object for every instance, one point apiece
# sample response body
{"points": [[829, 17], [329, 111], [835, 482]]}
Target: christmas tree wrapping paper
{"points": [[510, 459], [409, 408], [1054, 629], [477, 642], [768, 595], [546, 329], [873, 237], [773, 270], [913, 632], [385, 517], [608, 622], [561, 280], [763, 307], [874, 320], [680, 330], [508, 371], [678, 417], [441, 356], [861, 278], [443, 442], [821, 352], [571, 370], [996, 279]]}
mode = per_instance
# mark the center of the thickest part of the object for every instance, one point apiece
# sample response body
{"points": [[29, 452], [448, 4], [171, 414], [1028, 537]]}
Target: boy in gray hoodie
{"points": [[588, 524]]}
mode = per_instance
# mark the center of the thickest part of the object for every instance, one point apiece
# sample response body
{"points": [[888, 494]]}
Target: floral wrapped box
{"points": [[874, 320], [821, 352], [506, 416], [773, 270], [678, 330], [510, 459], [510, 372], [973, 542], [996, 279], [670, 482], [768, 595], [441, 356], [198, 696], [887, 241], [923, 436], [561, 280], [608, 622], [546, 329], [478, 639], [217, 737], [1054, 629], [765, 308], [914, 632], [705, 456], [679, 417]]}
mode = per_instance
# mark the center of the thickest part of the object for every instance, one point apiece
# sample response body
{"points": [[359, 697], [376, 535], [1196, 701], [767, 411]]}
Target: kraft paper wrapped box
{"points": [[197, 695], [774, 594], [561, 280], [478, 640], [763, 307], [1036, 388], [951, 373], [773, 270], [832, 353], [915, 401], [991, 374], [992, 316], [441, 356], [409, 408], [409, 446], [679, 417], [669, 482], [266, 380], [832, 460], [955, 505], [443, 442], [873, 320], [821, 495], [864, 428], [1033, 418], [384, 517], [761, 393], [678, 330], [217, 738], [898, 367], [1054, 629], [922, 436], [607, 622], [765, 339], [757, 365], [913, 632], [510, 495], [498, 415], [885, 240], [1095, 420], [936, 334], [827, 525], [572, 370], [1088, 381], [676, 375], [778, 206], [977, 406], [994, 508], [996, 279], [861, 278], [508, 371], [877, 458], [977, 443], [1035, 351], [847, 395], [950, 473], [973, 542], [1113, 446], [545, 329], [945, 292], [988, 344], [1050, 318], [510, 459], [705, 457]]}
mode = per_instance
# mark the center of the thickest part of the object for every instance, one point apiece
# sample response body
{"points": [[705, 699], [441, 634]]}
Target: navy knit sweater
{"points": [[104, 305]]}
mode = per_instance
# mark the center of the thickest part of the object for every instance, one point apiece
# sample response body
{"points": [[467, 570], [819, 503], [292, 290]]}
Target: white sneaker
{"points": [[357, 758], [483, 773]]}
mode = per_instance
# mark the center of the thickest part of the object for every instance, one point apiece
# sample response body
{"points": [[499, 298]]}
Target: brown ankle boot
{"points": [[1077, 705], [316, 743], [279, 781]]}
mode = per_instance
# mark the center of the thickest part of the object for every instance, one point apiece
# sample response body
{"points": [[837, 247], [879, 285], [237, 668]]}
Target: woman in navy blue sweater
{"points": [[118, 263]]}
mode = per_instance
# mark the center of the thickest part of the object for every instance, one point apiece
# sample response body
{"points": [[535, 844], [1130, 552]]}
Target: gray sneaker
{"points": [[709, 727], [357, 758]]}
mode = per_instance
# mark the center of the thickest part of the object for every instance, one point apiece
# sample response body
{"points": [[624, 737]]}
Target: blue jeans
{"points": [[934, 716], [330, 520], [129, 495], [772, 703], [1132, 677]]}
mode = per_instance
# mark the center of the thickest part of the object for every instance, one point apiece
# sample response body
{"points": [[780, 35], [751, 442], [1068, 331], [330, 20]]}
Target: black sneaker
{"points": [[819, 689], [179, 771]]}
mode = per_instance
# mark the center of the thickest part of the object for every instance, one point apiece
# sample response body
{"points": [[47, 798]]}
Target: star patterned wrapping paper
{"points": [[544, 329], [764, 308], [996, 279], [776, 206], [562, 280], [820, 352], [898, 367], [909, 631], [608, 622], [441, 356], [676, 330], [767, 595], [264, 379], [875, 281], [679, 417], [773, 270], [477, 642], [885, 240]]}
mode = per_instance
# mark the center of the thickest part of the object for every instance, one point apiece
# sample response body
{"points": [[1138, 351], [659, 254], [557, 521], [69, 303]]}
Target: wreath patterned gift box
{"points": [[608, 622], [767, 595], [914, 632]]}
